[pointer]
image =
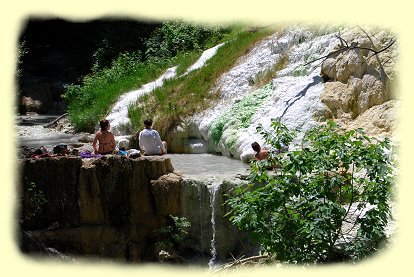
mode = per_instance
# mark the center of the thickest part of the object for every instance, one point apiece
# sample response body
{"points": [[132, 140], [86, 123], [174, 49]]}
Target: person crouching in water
{"points": [[150, 141], [104, 138], [261, 153]]}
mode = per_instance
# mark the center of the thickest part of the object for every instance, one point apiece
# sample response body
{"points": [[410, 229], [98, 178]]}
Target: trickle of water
{"points": [[203, 58], [213, 188], [201, 218], [119, 113]]}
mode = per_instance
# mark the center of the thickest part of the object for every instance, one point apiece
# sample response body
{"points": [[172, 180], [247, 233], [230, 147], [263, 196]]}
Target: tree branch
{"points": [[346, 47]]}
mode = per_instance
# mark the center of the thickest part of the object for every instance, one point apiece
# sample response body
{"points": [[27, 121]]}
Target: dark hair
{"points": [[104, 123], [148, 122], [256, 146]]}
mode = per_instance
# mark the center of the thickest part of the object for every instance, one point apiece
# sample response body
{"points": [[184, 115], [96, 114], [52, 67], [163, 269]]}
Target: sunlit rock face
{"points": [[360, 91], [340, 85]]}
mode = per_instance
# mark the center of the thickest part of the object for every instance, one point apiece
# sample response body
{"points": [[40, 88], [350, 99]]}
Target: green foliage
{"points": [[173, 235], [22, 50], [175, 37], [32, 201], [299, 212], [173, 43], [89, 102]]}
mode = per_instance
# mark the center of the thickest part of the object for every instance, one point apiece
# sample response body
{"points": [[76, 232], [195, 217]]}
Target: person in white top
{"points": [[150, 141]]}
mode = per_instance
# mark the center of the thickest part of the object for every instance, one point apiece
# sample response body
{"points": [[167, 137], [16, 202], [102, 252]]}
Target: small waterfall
{"points": [[205, 178], [213, 188], [201, 216]]}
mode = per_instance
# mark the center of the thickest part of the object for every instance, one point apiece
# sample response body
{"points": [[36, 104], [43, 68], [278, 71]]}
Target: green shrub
{"points": [[175, 37], [172, 235], [32, 202], [298, 213]]}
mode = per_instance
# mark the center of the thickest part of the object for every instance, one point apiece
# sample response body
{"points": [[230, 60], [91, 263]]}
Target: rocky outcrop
{"points": [[187, 139], [111, 206], [358, 93], [103, 206]]}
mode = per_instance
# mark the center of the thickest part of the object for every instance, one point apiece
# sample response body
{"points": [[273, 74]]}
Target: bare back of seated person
{"points": [[105, 143], [104, 139]]}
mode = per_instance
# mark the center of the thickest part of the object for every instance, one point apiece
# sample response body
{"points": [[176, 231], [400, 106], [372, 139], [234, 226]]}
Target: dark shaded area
{"points": [[60, 52]]}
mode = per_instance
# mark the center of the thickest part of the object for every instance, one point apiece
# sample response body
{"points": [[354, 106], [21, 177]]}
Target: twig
{"points": [[55, 121], [241, 261]]}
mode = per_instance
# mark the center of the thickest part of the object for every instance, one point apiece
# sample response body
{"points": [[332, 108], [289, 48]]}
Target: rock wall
{"points": [[359, 88], [101, 206], [111, 206]]}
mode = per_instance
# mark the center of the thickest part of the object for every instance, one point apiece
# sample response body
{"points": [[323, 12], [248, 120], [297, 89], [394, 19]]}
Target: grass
{"points": [[182, 97], [270, 74], [91, 101], [168, 105]]}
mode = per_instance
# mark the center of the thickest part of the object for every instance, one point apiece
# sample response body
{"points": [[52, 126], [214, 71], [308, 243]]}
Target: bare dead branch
{"points": [[241, 261], [54, 122], [344, 47]]}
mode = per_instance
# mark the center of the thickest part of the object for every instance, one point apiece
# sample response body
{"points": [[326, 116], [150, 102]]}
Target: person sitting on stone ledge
{"points": [[150, 141], [104, 138]]}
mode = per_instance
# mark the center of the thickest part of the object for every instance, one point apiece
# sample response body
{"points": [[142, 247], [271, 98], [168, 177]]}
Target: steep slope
{"points": [[352, 86]]}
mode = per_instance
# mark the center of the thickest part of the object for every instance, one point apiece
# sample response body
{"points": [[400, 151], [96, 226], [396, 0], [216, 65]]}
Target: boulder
{"points": [[359, 84]]}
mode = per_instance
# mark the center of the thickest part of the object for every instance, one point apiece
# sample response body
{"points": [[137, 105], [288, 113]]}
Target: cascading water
{"points": [[201, 218], [213, 188], [203, 58], [118, 117], [119, 113], [204, 176]]}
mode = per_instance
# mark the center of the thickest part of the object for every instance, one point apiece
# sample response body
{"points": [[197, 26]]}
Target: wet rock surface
{"points": [[111, 206]]}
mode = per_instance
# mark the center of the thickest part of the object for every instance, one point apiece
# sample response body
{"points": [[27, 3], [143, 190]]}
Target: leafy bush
{"points": [[32, 202], [172, 235], [327, 200], [175, 37]]}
